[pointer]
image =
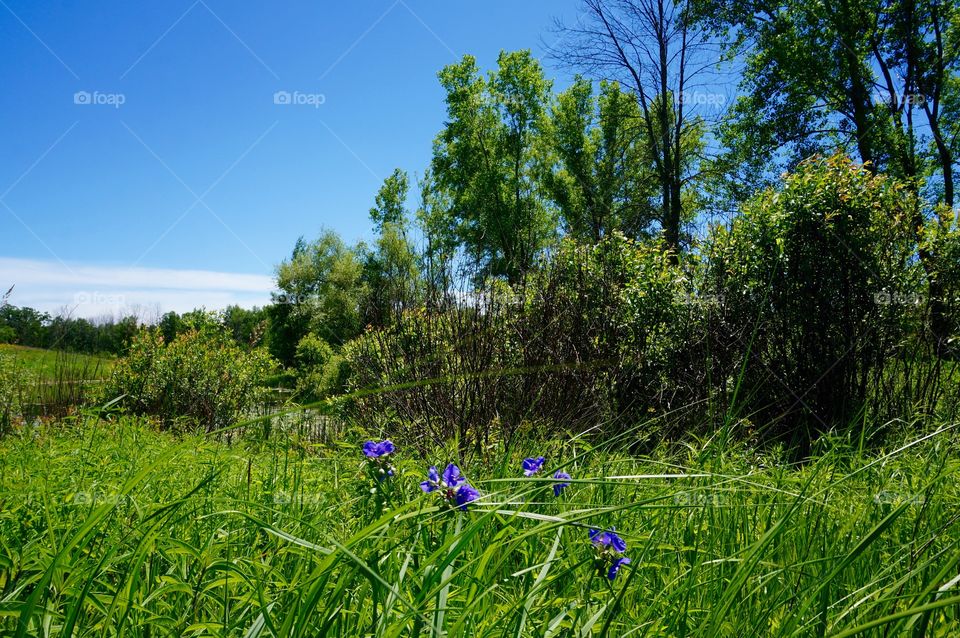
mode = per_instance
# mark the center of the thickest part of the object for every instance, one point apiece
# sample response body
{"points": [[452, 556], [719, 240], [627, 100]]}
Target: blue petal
{"points": [[427, 486], [452, 476], [615, 566], [616, 542], [558, 487], [531, 466], [465, 494]]}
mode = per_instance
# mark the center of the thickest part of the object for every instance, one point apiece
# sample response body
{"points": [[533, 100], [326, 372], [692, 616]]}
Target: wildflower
{"points": [[378, 458], [609, 548], [466, 493], [532, 466], [559, 487], [433, 480], [374, 450], [452, 486], [610, 538]]}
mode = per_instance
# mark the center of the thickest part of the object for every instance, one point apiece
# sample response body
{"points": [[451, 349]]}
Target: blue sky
{"points": [[147, 164]]}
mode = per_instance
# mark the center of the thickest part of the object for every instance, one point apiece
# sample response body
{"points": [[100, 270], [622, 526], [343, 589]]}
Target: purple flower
{"points": [[452, 476], [615, 566], [465, 494], [609, 548], [558, 487], [608, 539], [374, 450], [532, 466], [433, 480], [452, 485]]}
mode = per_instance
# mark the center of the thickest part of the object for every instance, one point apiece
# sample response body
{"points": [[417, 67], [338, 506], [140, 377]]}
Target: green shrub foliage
{"points": [[200, 379], [819, 286], [320, 370], [597, 334]]}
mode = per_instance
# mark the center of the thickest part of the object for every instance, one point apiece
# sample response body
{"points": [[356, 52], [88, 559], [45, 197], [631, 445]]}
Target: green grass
{"points": [[113, 529], [51, 383], [46, 363]]}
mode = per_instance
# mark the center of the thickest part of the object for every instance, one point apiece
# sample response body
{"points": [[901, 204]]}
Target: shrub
{"points": [[624, 309], [320, 370], [942, 240], [200, 379], [818, 285], [597, 335]]}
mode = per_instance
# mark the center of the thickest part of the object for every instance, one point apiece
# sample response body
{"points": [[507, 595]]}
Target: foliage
{"points": [[818, 286], [660, 53], [942, 240], [598, 172], [390, 270], [245, 326], [200, 379], [875, 79], [390, 202], [52, 383], [320, 370], [161, 535], [26, 326], [624, 307], [321, 291], [485, 161], [10, 386], [596, 333]]}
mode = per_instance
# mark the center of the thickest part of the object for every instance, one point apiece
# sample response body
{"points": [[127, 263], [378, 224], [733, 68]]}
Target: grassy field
{"points": [[51, 383], [47, 363], [113, 529]]}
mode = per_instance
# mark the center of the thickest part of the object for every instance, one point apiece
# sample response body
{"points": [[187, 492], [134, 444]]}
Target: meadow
{"points": [[46, 363], [111, 528], [610, 363], [53, 382]]}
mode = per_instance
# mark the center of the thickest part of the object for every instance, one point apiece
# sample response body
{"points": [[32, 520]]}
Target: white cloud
{"points": [[84, 290]]}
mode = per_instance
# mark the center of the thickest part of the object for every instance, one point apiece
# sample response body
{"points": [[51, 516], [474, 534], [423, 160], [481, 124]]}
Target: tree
{"points": [[598, 172], [390, 202], [390, 270], [872, 78], [321, 291], [243, 325], [485, 164], [653, 47], [876, 79]]}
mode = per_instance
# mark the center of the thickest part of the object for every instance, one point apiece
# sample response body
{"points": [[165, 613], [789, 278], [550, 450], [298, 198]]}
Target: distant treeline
{"points": [[30, 327]]}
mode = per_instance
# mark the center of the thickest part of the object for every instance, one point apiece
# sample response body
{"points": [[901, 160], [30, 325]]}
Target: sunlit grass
{"points": [[45, 363], [116, 530]]}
